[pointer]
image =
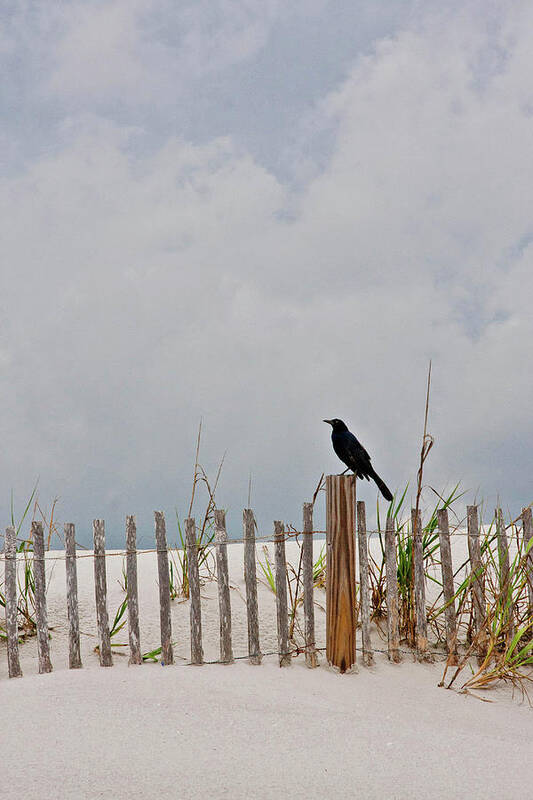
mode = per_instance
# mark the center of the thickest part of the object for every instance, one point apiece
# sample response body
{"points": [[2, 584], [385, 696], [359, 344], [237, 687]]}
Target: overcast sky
{"points": [[262, 214]]}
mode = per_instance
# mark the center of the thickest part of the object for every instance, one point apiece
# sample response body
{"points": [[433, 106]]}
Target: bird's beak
{"points": [[329, 421]]}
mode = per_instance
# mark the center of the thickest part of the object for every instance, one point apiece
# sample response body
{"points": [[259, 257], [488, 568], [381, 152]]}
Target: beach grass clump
{"points": [[294, 588], [26, 621], [205, 535], [503, 645], [405, 563], [178, 565]]}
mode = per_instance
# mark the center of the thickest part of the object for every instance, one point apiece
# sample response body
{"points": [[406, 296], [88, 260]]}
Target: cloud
{"points": [[146, 288], [138, 51]]}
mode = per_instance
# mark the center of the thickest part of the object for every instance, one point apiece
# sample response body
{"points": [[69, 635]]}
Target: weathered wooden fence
{"points": [[349, 602]]}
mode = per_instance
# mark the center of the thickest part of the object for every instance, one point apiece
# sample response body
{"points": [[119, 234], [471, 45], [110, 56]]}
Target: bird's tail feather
{"points": [[385, 491]]}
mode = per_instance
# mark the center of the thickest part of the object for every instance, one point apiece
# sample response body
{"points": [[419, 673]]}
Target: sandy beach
{"points": [[242, 731]]}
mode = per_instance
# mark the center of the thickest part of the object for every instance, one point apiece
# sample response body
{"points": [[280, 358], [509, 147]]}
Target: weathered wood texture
{"points": [[420, 586], [503, 563], [393, 619], [364, 589], [132, 588], [167, 651], [254, 650], [197, 653], [478, 582], [224, 601], [100, 590], [282, 610], [527, 526], [447, 585], [340, 587], [10, 580], [74, 654], [41, 618], [311, 658]]}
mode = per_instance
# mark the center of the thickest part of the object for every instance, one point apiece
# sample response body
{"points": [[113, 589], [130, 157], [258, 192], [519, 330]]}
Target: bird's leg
{"points": [[345, 471]]}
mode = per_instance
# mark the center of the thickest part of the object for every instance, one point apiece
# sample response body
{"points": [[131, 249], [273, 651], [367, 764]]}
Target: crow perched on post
{"points": [[352, 453]]}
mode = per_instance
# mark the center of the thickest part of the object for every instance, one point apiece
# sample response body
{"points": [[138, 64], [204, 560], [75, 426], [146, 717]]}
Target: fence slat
{"points": [[311, 658], [393, 621], [100, 589], [478, 583], [254, 650], [420, 587], [224, 601], [74, 654], [364, 590], [503, 560], [281, 595], [39, 573], [134, 636], [167, 651], [10, 579], [447, 585], [340, 585], [197, 653], [528, 535]]}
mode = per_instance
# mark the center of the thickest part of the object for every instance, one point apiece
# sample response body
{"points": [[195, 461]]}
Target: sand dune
{"points": [[241, 731]]}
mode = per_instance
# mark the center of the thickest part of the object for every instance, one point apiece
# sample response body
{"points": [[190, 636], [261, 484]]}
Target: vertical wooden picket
{"points": [[74, 653], [100, 589], [134, 636]]}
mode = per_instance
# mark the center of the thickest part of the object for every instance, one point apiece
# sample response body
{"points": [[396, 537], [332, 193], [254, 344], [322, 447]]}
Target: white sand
{"points": [[241, 731]]}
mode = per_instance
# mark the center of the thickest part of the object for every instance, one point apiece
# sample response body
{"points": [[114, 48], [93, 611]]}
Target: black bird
{"points": [[352, 453]]}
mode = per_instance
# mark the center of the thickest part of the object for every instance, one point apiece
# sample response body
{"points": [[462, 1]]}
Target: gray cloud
{"points": [[151, 279]]}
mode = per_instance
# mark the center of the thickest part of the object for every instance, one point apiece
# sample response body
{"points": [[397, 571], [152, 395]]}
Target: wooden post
{"points": [[478, 583], [10, 579], [340, 586], [39, 572], [224, 601], [364, 590], [281, 595], [100, 589], [311, 658], [197, 653], [503, 560], [447, 585], [528, 535], [254, 650], [420, 587], [393, 621], [167, 651], [132, 591], [74, 654]]}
